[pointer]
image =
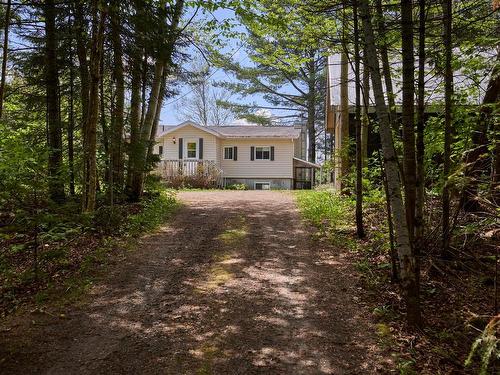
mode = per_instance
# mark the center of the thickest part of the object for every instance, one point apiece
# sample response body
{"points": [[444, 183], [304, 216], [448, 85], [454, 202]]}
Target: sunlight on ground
{"points": [[219, 273]]}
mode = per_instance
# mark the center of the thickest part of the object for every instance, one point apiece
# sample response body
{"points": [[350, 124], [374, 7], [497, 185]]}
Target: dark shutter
{"points": [[235, 153], [252, 152], [180, 148], [200, 145], [272, 152]]}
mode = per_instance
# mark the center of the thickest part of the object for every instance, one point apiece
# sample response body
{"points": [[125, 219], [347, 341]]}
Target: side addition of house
{"points": [[261, 157]]}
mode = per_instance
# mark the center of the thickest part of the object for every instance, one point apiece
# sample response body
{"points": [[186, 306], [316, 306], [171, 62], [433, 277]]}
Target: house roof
{"points": [[255, 131], [246, 131], [433, 83]]}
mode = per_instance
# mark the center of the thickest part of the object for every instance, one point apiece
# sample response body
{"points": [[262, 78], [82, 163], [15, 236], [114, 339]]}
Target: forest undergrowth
{"points": [[458, 294], [55, 254]]}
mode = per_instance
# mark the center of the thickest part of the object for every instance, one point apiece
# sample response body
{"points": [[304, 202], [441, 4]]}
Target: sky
{"points": [[169, 115]]}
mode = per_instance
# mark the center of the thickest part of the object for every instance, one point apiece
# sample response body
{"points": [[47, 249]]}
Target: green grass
{"points": [[325, 209]]}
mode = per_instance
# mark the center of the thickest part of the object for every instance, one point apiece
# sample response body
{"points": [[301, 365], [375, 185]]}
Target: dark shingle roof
{"points": [[246, 131], [250, 131]]}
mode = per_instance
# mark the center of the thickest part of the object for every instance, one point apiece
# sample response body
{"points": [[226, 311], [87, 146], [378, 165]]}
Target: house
{"points": [[340, 107], [261, 157]]}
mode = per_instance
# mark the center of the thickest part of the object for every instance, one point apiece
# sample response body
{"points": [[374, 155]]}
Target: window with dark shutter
{"points": [[252, 150], [228, 153], [235, 153], [160, 150], [200, 151], [262, 153], [272, 152]]}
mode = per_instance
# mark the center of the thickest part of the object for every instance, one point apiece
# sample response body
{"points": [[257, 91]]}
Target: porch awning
{"points": [[304, 163]]}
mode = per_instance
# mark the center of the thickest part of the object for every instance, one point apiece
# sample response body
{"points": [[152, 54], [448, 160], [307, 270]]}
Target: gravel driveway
{"points": [[234, 284]]}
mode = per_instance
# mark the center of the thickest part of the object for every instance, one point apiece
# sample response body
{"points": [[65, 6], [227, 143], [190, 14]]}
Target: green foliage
{"points": [[325, 209], [154, 212], [236, 187], [486, 346]]}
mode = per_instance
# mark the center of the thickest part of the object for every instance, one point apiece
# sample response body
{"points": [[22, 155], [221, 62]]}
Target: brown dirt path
{"points": [[233, 285]]}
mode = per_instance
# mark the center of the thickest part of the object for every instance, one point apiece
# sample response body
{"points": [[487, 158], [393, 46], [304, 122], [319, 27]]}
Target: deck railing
{"points": [[201, 172]]}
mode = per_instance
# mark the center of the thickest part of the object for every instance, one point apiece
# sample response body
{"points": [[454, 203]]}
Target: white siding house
{"points": [[261, 157]]}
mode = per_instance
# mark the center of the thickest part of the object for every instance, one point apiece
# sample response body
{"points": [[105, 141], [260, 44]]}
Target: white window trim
{"points": [[191, 140], [224, 152], [261, 182], [255, 153]]}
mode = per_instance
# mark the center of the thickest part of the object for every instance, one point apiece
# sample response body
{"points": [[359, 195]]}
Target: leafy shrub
{"points": [[155, 211], [325, 209], [236, 187]]}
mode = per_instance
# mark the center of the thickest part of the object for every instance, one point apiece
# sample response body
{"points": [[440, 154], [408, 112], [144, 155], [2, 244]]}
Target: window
{"points": [[191, 150], [262, 153], [160, 150], [228, 153], [262, 186]]}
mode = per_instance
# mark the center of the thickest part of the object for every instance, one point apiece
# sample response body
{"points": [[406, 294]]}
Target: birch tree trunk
{"points": [[408, 270], [54, 128]]}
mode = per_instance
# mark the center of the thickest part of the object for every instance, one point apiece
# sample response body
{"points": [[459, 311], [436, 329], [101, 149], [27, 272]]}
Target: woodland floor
{"points": [[234, 284]]}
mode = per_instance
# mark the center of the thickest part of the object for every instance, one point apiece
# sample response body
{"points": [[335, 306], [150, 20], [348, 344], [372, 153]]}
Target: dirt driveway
{"points": [[233, 285]]}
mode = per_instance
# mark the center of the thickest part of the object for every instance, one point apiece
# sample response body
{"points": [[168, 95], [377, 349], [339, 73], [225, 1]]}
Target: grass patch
{"points": [[331, 213], [232, 236]]}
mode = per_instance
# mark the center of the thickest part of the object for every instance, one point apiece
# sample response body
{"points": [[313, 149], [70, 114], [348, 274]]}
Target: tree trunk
{"points": [[311, 109], [90, 139], [394, 255], [145, 133], [156, 121], [409, 278], [54, 128], [365, 125], [163, 60], [119, 105], [81, 51], [135, 121], [448, 94], [420, 178], [5, 50], [408, 113], [71, 122], [359, 157], [386, 66]]}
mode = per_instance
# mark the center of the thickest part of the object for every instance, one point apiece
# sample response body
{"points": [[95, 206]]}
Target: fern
{"points": [[487, 346]]}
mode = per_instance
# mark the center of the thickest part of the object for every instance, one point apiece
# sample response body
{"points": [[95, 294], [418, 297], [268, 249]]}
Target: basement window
{"points": [[262, 186]]}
